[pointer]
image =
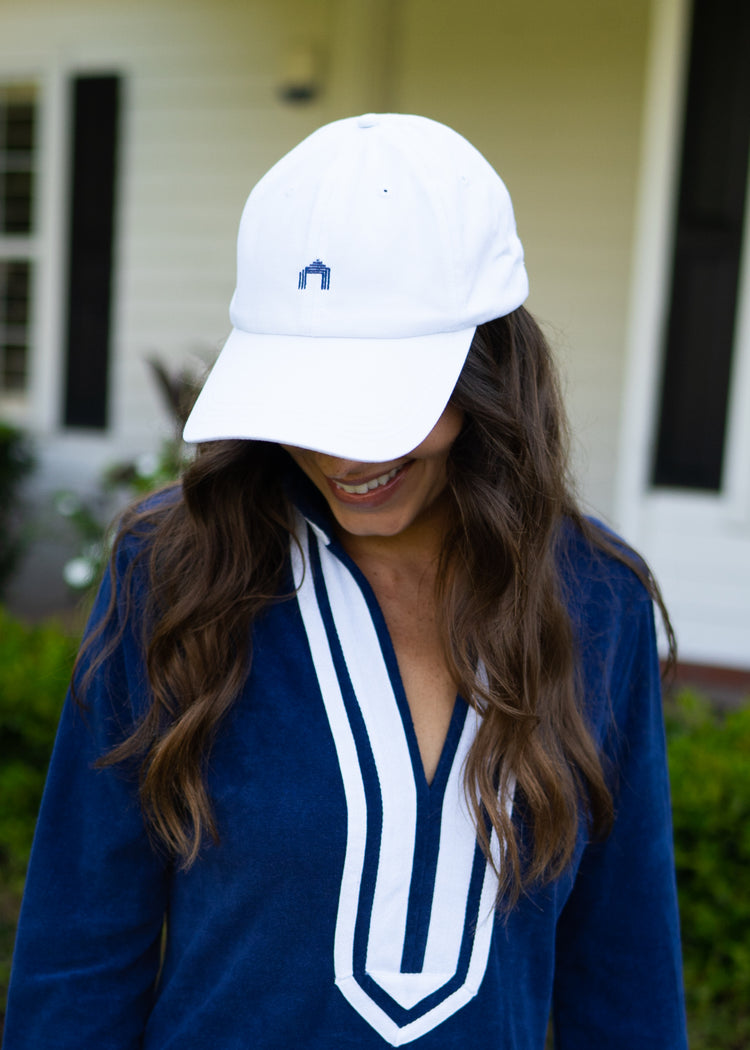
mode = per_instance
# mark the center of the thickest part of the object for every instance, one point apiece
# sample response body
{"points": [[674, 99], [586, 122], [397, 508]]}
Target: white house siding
{"points": [[702, 555], [552, 92]]}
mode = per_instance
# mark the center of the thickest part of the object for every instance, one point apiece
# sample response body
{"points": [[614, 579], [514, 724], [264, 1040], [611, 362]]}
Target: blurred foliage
{"points": [[125, 481], [35, 666], [16, 463], [120, 484], [709, 761]]}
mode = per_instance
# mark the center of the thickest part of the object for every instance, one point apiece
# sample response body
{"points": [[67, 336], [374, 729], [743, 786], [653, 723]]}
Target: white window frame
{"points": [[22, 247], [38, 408]]}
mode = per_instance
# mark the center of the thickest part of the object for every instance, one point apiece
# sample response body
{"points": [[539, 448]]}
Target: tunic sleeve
{"points": [[87, 947], [618, 962]]}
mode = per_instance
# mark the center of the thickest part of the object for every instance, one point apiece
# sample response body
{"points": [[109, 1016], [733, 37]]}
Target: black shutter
{"points": [[94, 161]]}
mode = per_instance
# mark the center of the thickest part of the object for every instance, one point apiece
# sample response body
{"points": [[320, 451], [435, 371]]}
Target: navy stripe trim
{"points": [[427, 847], [399, 1014], [366, 763]]}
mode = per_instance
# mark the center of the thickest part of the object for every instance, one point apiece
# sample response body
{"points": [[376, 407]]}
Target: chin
{"points": [[359, 525]]}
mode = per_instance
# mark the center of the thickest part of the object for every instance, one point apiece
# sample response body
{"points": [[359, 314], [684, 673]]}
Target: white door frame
{"points": [[649, 302]]}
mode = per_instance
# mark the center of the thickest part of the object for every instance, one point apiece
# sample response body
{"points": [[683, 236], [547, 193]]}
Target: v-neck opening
{"points": [[415, 886], [434, 789]]}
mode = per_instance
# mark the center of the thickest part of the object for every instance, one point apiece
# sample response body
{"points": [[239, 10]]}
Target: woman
{"points": [[370, 748]]}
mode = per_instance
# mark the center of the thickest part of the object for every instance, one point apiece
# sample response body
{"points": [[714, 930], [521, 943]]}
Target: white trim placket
{"points": [[452, 910]]}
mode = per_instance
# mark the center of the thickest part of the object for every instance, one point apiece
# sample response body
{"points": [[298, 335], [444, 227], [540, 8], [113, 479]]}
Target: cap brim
{"points": [[363, 399]]}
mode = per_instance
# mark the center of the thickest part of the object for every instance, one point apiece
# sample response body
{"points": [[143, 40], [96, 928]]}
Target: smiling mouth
{"points": [[368, 486]]}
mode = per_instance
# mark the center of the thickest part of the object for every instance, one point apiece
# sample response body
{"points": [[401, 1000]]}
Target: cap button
{"points": [[368, 120]]}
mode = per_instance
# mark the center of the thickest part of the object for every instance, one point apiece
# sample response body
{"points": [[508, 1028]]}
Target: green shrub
{"points": [[35, 666], [709, 758], [16, 462]]}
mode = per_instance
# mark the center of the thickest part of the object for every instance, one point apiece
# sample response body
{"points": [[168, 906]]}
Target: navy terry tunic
{"points": [[347, 903]]}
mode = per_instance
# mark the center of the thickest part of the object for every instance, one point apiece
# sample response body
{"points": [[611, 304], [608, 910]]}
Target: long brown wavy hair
{"points": [[217, 552]]}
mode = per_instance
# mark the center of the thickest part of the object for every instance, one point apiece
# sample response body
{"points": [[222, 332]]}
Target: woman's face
{"points": [[384, 499]]}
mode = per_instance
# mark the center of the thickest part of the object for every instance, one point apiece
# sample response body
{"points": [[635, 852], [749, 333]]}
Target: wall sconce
{"points": [[300, 74]]}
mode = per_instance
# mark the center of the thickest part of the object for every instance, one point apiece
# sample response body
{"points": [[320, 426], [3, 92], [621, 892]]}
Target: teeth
{"points": [[368, 486]]}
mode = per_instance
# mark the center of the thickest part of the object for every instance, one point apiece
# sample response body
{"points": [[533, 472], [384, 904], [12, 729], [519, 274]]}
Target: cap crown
{"points": [[385, 226]]}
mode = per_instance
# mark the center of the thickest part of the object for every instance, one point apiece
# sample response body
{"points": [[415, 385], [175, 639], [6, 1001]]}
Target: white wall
{"points": [[552, 92]]}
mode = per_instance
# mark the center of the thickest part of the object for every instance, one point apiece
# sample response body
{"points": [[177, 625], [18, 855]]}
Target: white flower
{"points": [[79, 573], [67, 504], [146, 464]]}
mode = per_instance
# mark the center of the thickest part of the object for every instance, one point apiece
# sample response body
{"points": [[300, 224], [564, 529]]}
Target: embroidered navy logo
{"points": [[316, 268], [416, 903]]}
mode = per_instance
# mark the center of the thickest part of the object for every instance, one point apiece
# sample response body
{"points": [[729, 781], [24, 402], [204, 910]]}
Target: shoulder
{"points": [[137, 528], [599, 570], [608, 592]]}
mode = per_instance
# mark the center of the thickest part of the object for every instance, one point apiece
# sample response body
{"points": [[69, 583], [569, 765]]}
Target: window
{"points": [[18, 158]]}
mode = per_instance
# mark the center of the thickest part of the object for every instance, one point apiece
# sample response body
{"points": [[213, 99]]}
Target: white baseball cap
{"points": [[366, 258]]}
